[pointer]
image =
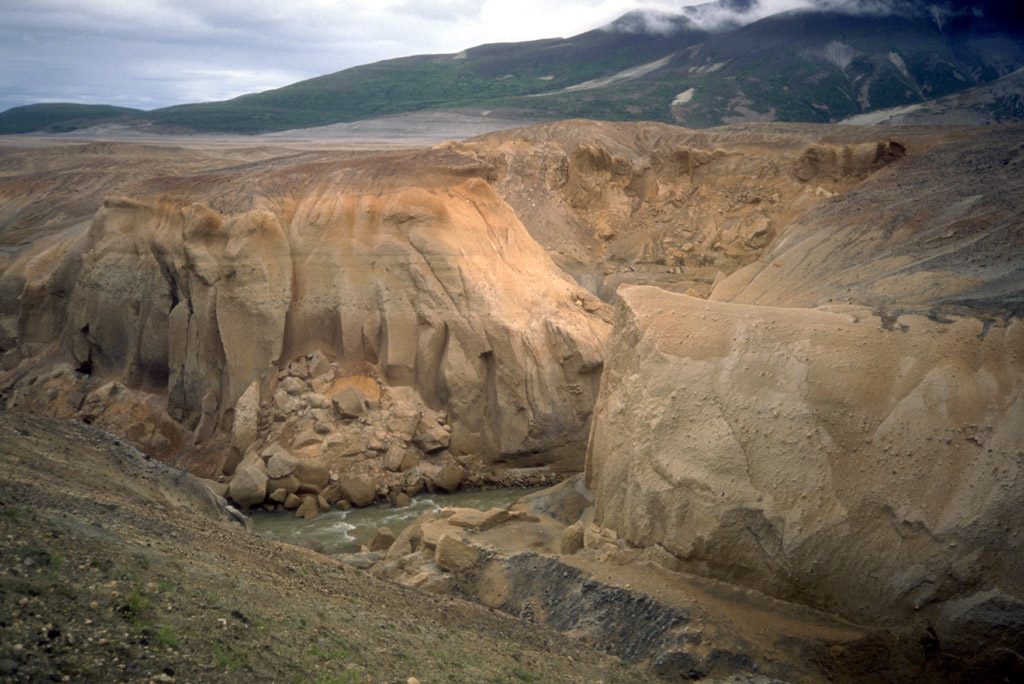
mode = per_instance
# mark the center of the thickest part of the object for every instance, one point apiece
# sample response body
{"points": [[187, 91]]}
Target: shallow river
{"points": [[346, 531]]}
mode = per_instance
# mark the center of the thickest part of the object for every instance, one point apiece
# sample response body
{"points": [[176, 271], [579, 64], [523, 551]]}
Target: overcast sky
{"points": [[153, 53]]}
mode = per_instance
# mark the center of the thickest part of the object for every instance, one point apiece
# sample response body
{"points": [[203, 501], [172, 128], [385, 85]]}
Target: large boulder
{"points": [[857, 464], [358, 489], [249, 485]]}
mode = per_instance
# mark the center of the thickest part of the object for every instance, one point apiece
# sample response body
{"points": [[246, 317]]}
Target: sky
{"points": [[153, 53]]}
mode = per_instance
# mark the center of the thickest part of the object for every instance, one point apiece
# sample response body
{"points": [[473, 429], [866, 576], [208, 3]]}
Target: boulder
{"points": [[278, 495], [292, 386], [359, 489], [448, 477], [572, 538], [308, 508], [244, 429], [316, 401], [348, 443], [291, 502], [402, 423], [432, 438], [858, 464], [306, 438], [280, 464], [349, 403], [249, 485], [382, 539], [454, 554], [472, 519], [312, 471], [401, 459], [410, 538], [289, 484]]}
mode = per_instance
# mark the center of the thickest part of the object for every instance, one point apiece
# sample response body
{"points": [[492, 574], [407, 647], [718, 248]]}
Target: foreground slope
{"points": [[116, 568]]}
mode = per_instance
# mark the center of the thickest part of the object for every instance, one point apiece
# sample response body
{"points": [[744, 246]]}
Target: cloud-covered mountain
{"points": [[704, 65]]}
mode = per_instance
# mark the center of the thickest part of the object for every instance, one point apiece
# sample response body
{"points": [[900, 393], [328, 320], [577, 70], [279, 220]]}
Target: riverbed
{"points": [[346, 531]]}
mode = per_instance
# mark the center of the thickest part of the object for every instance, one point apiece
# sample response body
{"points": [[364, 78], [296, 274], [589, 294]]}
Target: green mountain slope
{"points": [[813, 65], [60, 117], [499, 73]]}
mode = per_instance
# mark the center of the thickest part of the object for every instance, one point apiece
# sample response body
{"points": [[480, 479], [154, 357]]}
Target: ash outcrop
{"points": [[829, 415], [339, 307], [841, 424]]}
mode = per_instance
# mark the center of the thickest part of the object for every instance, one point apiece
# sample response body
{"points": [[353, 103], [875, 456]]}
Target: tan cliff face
{"points": [[202, 286], [655, 204], [842, 424], [819, 456]]}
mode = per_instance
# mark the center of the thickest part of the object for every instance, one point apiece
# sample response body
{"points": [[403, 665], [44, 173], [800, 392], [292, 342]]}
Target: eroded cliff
{"points": [[204, 287]]}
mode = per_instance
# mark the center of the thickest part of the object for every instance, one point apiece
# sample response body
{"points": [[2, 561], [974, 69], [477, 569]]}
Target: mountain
{"points": [[721, 62], [61, 117]]}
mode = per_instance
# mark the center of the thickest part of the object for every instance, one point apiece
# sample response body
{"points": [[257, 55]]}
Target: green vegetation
{"points": [[61, 117], [137, 604], [783, 67], [525, 675], [165, 637]]}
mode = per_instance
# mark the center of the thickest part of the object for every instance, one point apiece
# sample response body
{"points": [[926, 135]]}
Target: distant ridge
{"points": [[717, 63]]}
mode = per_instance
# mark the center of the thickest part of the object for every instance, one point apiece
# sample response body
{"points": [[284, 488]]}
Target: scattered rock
{"points": [[292, 386], [308, 508], [249, 485], [349, 443], [572, 538], [306, 438], [448, 477], [312, 471], [280, 464], [359, 489], [454, 554], [472, 519], [349, 403], [431, 438], [382, 539], [290, 484]]}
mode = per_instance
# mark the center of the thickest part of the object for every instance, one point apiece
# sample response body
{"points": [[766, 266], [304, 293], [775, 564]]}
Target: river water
{"points": [[346, 531]]}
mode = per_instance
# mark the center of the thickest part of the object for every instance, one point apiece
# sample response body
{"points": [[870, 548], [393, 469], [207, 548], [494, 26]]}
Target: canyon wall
{"points": [[819, 456], [204, 286], [655, 204], [843, 423]]}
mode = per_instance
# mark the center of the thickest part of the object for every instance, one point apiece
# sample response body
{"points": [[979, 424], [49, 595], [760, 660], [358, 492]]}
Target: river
{"points": [[346, 531]]}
